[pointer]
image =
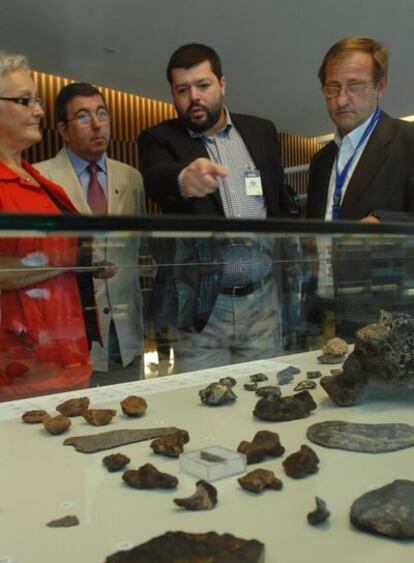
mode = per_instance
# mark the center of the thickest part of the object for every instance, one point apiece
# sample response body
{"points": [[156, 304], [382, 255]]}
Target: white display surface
{"points": [[41, 480]]}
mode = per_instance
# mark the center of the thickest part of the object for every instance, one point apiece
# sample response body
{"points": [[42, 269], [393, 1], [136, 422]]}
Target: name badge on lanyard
{"points": [[253, 183]]}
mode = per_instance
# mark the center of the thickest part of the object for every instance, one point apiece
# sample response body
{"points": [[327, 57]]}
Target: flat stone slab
{"points": [[106, 440], [358, 437], [387, 511]]}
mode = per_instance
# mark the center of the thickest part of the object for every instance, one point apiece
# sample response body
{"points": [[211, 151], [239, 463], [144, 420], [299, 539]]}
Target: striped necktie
{"points": [[96, 196]]}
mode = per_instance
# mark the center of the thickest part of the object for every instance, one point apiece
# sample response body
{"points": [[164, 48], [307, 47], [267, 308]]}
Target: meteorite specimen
{"points": [[250, 386], [34, 417], [268, 391], [204, 498], [229, 381], [115, 462], [301, 463], [264, 443], [73, 407], [285, 375], [388, 511], [285, 408], [313, 374], [357, 437], [171, 445], [304, 385], [334, 352], [65, 522], [320, 514], [177, 547], [56, 424], [99, 417], [258, 480], [148, 477], [106, 440], [217, 394], [134, 406], [382, 358], [258, 377]]}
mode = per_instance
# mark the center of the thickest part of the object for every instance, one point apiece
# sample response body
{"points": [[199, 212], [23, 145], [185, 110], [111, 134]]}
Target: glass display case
{"points": [[162, 307]]}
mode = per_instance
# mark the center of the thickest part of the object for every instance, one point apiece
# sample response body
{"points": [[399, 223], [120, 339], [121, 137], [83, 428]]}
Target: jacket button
{"points": [[106, 310]]}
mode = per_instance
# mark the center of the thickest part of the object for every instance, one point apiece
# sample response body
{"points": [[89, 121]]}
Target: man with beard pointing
{"points": [[211, 162]]}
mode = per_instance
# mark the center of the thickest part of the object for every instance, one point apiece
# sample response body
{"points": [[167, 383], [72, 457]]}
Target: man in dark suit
{"points": [[211, 162], [365, 174]]}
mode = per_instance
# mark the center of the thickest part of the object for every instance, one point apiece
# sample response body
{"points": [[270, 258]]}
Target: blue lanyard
{"points": [[340, 177]]}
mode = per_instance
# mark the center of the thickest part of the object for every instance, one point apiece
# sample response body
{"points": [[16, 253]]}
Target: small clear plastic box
{"points": [[197, 463]]}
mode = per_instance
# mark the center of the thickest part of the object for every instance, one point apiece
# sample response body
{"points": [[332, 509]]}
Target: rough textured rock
{"points": [[34, 417], [285, 408], [320, 514], [264, 443], [205, 497], [217, 394], [180, 547], [258, 377], [331, 358], [134, 406], [336, 346], [357, 437], [301, 463], [99, 417], [258, 480], [313, 374], [304, 385], [229, 381], [56, 424], [74, 407], [171, 445], [382, 358], [388, 511], [91, 443], [269, 391], [285, 376], [250, 386], [115, 462], [65, 522], [148, 477]]}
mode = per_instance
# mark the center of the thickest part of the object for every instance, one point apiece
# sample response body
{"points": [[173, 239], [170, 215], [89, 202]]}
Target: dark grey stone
{"points": [[285, 408], [357, 437], [313, 374], [387, 511], [320, 514], [258, 377], [268, 391], [305, 384], [217, 394], [285, 376]]}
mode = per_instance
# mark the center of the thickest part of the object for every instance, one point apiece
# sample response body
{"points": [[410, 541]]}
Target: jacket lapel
{"points": [[66, 177]]}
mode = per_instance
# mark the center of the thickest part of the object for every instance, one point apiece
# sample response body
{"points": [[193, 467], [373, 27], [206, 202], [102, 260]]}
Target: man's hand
{"points": [[370, 219], [199, 178]]}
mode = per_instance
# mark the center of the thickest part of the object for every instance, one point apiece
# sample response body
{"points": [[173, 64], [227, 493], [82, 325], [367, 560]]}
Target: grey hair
{"points": [[10, 62]]}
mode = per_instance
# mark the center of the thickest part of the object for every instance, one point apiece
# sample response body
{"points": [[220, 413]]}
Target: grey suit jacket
{"points": [[118, 298], [382, 182]]}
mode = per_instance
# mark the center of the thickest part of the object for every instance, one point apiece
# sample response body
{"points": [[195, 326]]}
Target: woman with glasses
{"points": [[43, 343]]}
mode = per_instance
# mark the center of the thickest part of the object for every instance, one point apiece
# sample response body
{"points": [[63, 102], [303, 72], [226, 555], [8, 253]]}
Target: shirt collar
{"points": [[80, 164], [228, 124], [354, 136]]}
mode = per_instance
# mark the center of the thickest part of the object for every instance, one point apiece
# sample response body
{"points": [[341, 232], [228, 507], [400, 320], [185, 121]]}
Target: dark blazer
{"points": [[382, 182], [167, 148]]}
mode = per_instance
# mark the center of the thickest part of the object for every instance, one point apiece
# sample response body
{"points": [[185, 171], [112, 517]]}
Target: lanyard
{"points": [[340, 177]]}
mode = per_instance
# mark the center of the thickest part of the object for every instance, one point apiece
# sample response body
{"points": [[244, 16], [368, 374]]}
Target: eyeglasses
{"points": [[85, 116], [27, 101], [353, 89]]}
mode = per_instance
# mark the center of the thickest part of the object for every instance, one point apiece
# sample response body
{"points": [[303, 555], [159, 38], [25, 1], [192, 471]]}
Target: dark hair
{"points": [[69, 92], [349, 45], [191, 55]]}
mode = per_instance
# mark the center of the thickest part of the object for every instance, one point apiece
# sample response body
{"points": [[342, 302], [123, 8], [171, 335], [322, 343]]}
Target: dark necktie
{"points": [[96, 196]]}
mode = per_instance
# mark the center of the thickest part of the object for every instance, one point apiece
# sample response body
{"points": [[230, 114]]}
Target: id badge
{"points": [[253, 183]]}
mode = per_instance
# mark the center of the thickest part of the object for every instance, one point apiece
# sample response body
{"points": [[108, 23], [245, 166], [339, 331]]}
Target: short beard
{"points": [[212, 116]]}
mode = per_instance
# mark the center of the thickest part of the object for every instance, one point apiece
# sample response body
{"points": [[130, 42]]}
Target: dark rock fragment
{"points": [[56, 424], [357, 437], [217, 394], [258, 377], [115, 462], [320, 514], [285, 376], [106, 440], [171, 445], [229, 381], [331, 358], [250, 386], [34, 417], [134, 406], [268, 391], [388, 511], [313, 374], [264, 443], [99, 417], [213, 458], [304, 385], [148, 477], [73, 407], [204, 498], [285, 408], [301, 463], [258, 480], [178, 547], [65, 522]]}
